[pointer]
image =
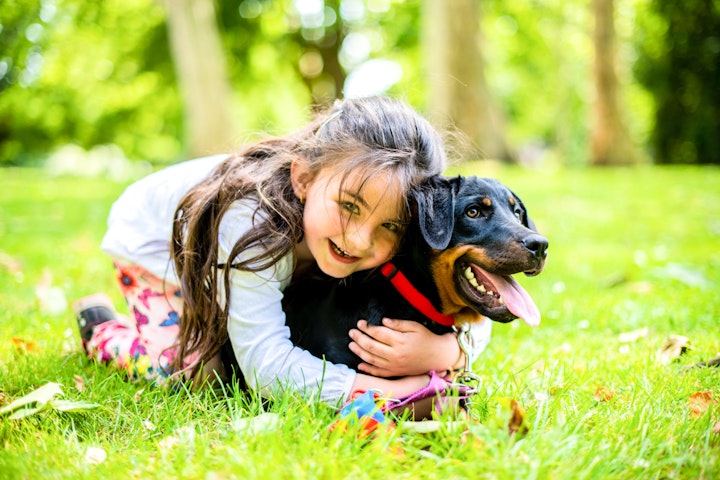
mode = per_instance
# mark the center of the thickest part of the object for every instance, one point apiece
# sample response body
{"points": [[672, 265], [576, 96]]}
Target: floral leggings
{"points": [[142, 343]]}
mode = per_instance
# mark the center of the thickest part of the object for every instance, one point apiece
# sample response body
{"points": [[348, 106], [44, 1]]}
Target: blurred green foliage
{"points": [[680, 65], [93, 73]]}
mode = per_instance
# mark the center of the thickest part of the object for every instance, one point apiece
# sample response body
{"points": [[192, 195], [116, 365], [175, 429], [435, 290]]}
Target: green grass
{"points": [[629, 249]]}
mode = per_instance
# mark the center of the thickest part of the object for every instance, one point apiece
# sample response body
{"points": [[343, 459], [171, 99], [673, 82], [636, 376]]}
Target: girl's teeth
{"points": [[339, 251]]}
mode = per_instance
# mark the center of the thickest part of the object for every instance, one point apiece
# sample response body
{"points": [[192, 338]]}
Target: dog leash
{"points": [[412, 295]]}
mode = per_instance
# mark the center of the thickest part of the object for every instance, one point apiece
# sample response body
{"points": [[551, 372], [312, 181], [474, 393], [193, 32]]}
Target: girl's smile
{"points": [[350, 225]]}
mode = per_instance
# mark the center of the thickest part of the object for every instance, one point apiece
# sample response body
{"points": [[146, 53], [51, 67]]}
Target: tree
{"points": [[200, 65], [611, 144], [680, 65], [459, 90]]}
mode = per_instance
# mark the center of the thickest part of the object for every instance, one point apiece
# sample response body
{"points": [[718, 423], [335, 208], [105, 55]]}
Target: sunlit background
{"points": [[558, 82]]}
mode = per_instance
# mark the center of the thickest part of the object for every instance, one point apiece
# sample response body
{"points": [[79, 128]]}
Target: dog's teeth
{"points": [[473, 282], [481, 288], [502, 302], [468, 274]]}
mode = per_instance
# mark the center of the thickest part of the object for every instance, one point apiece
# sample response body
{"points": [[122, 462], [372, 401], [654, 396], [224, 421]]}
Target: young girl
{"points": [[214, 242]]}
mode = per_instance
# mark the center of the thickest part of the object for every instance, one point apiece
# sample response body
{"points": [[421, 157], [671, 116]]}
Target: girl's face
{"points": [[350, 226]]}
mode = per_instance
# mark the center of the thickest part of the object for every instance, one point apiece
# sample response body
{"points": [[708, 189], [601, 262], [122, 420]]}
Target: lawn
{"points": [[634, 259]]}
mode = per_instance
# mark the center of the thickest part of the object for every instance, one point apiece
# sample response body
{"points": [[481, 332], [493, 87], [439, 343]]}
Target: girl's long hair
{"points": [[374, 135]]}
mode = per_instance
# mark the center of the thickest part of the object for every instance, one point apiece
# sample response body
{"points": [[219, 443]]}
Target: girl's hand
{"points": [[403, 347]]}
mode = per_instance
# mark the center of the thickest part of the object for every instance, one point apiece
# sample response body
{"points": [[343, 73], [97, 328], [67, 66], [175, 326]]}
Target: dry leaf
{"points": [[40, 399], [79, 383], [516, 424], [699, 402], [673, 347], [24, 346], [603, 394], [633, 336], [257, 424], [51, 298], [10, 263], [429, 426], [182, 436], [95, 455], [138, 394]]}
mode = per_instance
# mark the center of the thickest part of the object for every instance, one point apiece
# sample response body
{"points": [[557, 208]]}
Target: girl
{"points": [[214, 241]]}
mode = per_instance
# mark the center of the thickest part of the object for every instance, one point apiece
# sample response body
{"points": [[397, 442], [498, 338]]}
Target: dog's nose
{"points": [[537, 245]]}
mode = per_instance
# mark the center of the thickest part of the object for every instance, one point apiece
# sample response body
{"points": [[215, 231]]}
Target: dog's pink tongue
{"points": [[516, 299]]}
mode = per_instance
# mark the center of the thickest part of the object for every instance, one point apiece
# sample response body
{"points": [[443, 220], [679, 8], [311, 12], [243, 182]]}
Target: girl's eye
{"points": [[472, 212], [350, 207], [393, 227]]}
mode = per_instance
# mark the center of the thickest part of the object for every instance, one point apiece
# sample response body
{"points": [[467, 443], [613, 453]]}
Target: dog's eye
{"points": [[519, 215], [472, 212]]}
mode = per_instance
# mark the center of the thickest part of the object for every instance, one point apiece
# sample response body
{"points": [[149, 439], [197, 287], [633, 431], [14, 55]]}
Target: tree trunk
{"points": [[200, 67], [459, 93], [611, 144]]}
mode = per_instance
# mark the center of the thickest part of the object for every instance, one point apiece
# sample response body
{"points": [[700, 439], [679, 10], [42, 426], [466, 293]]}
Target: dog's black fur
{"points": [[457, 222]]}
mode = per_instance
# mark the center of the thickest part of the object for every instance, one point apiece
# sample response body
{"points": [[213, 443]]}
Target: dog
{"points": [[467, 237]]}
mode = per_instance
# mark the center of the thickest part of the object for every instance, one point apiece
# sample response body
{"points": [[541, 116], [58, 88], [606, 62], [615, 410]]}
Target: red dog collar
{"points": [[412, 295]]}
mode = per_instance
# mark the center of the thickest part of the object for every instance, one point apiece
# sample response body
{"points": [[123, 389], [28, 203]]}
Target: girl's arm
{"points": [[404, 347]]}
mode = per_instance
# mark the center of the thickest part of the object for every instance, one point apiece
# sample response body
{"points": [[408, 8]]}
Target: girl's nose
{"points": [[360, 237]]}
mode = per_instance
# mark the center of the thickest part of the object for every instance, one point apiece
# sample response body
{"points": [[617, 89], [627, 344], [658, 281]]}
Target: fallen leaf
{"points": [[95, 455], [674, 346], [259, 423], [429, 426], [51, 298], [68, 406], [24, 346], [633, 336], [183, 435], [516, 424], [603, 394], [138, 394], [79, 383], [10, 263], [39, 397], [699, 402]]}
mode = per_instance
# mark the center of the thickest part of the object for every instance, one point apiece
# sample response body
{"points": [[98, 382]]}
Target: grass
{"points": [[630, 249]]}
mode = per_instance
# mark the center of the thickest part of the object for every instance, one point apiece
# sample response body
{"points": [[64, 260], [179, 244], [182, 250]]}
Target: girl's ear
{"points": [[300, 176]]}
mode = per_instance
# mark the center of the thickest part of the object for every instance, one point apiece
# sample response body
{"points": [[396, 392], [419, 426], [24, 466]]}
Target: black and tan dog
{"points": [[467, 237]]}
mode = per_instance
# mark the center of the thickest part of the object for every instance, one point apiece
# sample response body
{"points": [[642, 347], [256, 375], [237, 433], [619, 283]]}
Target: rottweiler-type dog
{"points": [[467, 237]]}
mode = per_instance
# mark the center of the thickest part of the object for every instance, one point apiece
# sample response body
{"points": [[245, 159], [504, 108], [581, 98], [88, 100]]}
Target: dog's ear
{"points": [[435, 200], [526, 219]]}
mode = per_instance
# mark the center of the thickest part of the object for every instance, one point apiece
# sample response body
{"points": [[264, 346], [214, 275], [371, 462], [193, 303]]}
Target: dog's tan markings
{"points": [[512, 201], [487, 202], [442, 266]]}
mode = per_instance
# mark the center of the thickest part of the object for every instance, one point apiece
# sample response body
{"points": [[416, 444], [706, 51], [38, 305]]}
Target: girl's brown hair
{"points": [[379, 134]]}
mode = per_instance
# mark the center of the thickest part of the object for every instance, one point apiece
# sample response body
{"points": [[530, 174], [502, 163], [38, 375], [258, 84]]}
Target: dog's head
{"points": [[480, 234]]}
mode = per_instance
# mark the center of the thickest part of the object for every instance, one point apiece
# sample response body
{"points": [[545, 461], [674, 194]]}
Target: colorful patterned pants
{"points": [[142, 344]]}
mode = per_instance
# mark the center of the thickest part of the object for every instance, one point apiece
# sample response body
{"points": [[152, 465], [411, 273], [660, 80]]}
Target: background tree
{"points": [[202, 75], [611, 144], [680, 66], [458, 91]]}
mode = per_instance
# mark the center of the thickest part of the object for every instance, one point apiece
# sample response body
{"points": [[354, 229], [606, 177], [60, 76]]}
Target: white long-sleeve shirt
{"points": [[140, 231]]}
